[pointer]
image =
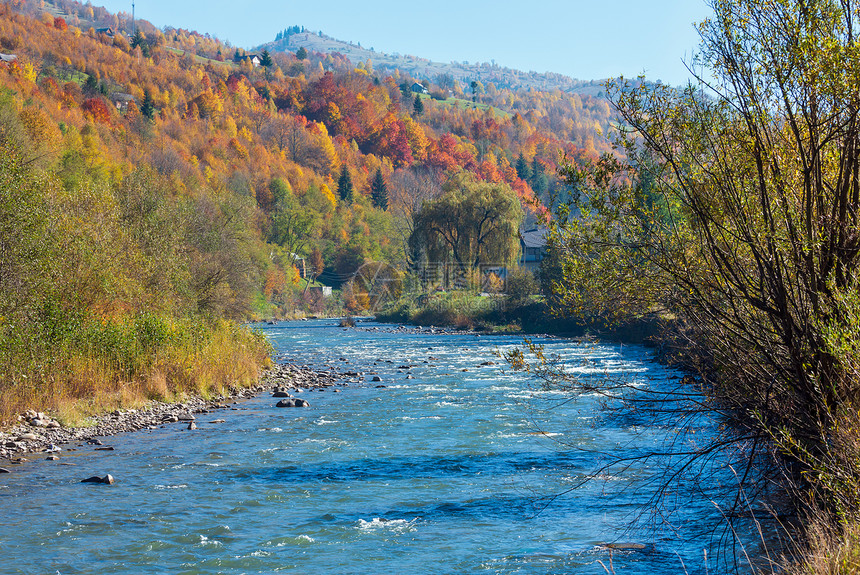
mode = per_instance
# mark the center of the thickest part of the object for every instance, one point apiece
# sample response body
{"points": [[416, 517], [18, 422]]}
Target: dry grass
{"points": [[830, 550], [79, 386]]}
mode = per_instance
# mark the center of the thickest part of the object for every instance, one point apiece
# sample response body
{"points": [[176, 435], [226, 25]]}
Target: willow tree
{"points": [[471, 224], [736, 212]]}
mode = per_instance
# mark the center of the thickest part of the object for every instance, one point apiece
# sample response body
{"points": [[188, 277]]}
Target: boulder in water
{"points": [[106, 480], [624, 546], [293, 402]]}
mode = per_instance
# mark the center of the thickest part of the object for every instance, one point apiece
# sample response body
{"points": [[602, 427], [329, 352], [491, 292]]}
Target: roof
{"points": [[122, 97], [535, 238], [8, 57]]}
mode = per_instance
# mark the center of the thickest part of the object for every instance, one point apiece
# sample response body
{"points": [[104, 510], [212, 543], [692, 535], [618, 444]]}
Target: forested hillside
{"points": [[157, 182]]}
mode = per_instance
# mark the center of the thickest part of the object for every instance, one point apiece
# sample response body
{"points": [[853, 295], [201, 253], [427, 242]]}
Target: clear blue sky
{"points": [[586, 39]]}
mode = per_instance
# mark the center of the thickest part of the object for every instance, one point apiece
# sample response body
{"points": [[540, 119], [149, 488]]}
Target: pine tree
{"points": [[301, 53], [523, 171], [265, 59], [147, 107], [538, 179], [91, 86], [344, 185], [139, 41], [379, 191], [418, 105]]}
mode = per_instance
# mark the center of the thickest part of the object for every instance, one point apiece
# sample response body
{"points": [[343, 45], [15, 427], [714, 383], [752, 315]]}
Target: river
{"points": [[464, 468]]}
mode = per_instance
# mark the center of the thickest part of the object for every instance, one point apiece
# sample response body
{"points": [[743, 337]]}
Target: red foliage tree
{"points": [[98, 109]]}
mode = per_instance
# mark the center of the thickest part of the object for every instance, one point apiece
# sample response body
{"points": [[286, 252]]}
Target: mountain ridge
{"points": [[294, 38]]}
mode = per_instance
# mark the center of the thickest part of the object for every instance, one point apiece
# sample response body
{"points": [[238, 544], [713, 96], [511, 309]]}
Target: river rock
{"points": [[218, 421], [4, 470], [192, 426], [106, 480], [186, 417], [281, 394], [52, 458], [293, 402], [28, 437], [376, 378], [169, 419], [625, 546]]}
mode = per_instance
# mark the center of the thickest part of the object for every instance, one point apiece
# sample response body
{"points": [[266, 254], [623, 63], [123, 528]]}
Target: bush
{"points": [[521, 285]]}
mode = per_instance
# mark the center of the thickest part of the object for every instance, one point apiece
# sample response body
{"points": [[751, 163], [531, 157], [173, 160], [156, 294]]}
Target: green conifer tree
{"points": [[418, 105], [265, 59], [523, 171], [344, 185], [147, 107], [379, 191], [538, 181]]}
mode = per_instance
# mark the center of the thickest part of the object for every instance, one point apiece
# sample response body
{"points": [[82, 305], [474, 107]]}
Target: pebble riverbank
{"points": [[38, 433]]}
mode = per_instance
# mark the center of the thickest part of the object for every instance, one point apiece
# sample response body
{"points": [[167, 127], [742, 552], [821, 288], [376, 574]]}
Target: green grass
{"points": [[201, 59], [466, 105]]}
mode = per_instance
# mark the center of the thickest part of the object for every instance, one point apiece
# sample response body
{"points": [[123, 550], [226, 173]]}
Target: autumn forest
{"points": [[175, 184]]}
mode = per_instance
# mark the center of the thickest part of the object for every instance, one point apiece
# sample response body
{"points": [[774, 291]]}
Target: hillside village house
{"points": [[254, 59], [122, 100], [419, 88], [533, 245]]}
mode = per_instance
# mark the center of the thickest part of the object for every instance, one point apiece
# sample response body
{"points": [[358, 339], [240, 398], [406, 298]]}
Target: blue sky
{"points": [[586, 39]]}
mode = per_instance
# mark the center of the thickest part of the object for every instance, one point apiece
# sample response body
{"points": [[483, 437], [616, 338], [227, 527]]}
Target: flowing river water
{"points": [[463, 468]]}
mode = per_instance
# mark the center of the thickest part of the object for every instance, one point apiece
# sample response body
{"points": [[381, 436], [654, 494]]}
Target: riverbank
{"points": [[499, 314], [38, 433]]}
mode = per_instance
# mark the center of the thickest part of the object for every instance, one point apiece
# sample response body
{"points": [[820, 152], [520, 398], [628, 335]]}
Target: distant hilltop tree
{"points": [[285, 35], [302, 54]]}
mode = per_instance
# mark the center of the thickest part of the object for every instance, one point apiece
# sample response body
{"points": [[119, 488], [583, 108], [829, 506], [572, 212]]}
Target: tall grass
{"points": [[85, 367]]}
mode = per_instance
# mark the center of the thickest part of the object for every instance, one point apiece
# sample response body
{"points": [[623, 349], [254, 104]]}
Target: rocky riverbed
{"points": [[38, 433]]}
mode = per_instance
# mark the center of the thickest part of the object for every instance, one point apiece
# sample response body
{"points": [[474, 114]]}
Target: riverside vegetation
{"points": [[736, 212]]}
